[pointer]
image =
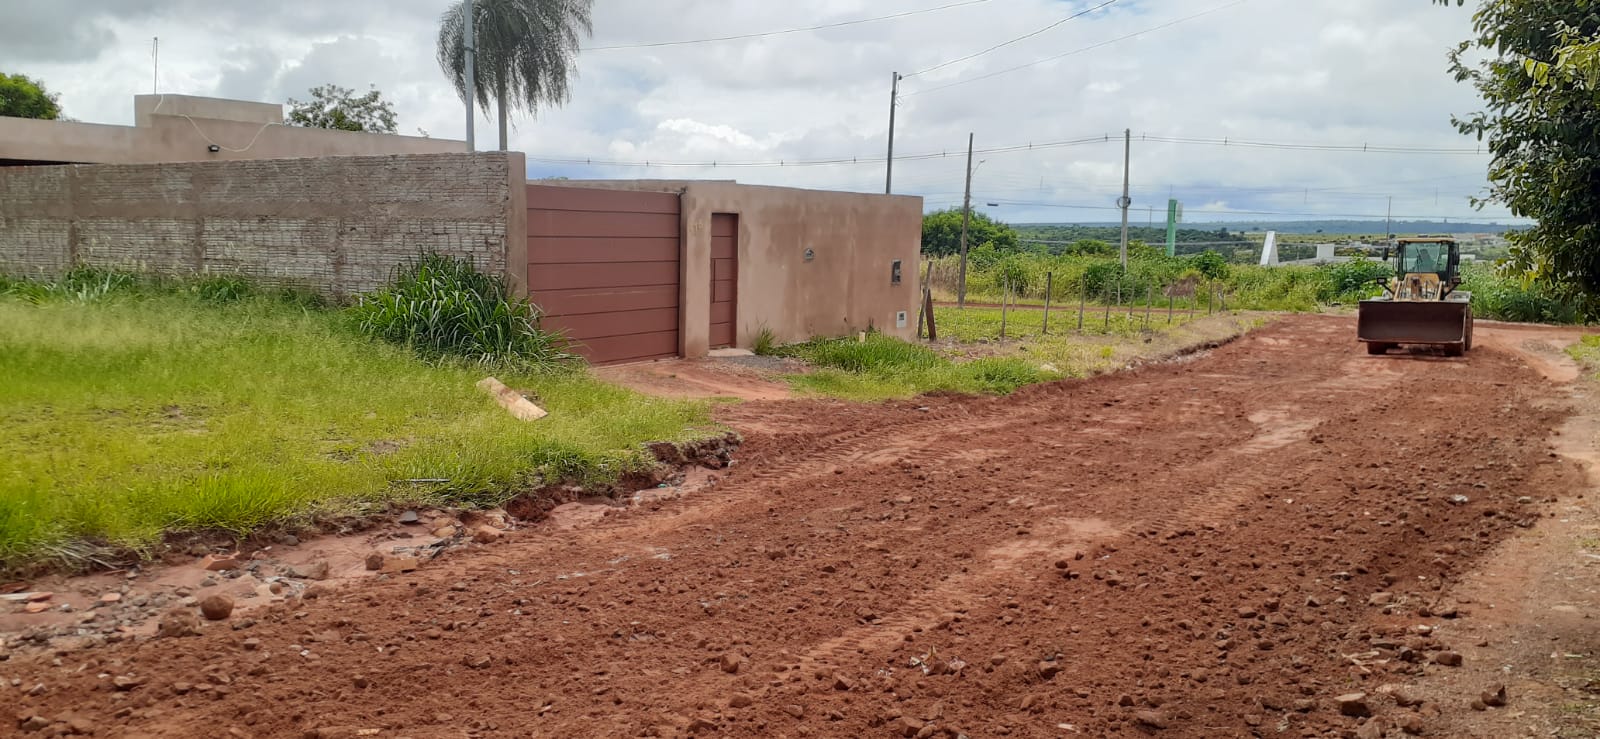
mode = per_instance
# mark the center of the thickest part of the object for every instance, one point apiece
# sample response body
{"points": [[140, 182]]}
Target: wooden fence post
{"points": [[1108, 307], [1083, 294], [924, 311], [1049, 283], [1005, 297]]}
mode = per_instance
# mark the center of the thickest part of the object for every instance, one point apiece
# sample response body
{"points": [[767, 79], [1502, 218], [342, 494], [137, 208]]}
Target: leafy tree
{"points": [[332, 106], [527, 51], [1542, 125], [941, 233], [1090, 247], [21, 97]]}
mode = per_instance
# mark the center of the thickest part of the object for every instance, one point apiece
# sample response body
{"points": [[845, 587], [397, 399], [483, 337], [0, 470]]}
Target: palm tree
{"points": [[526, 51]]}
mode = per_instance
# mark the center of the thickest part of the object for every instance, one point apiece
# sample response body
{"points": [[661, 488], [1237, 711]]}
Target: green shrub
{"points": [[1100, 276], [442, 308], [1354, 280], [1504, 298], [1014, 275], [1211, 264]]}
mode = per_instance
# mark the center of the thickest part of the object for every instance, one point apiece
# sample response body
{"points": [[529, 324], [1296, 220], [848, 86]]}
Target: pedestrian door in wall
{"points": [[724, 278]]}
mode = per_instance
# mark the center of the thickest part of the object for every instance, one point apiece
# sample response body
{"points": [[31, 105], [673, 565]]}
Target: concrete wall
{"points": [[338, 225], [241, 130], [844, 288], [222, 109]]}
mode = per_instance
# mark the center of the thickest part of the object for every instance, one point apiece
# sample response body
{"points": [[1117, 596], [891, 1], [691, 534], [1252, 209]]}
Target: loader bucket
{"points": [[1414, 322]]}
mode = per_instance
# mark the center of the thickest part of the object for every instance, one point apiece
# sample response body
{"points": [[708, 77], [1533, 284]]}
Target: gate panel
{"points": [[603, 266]]}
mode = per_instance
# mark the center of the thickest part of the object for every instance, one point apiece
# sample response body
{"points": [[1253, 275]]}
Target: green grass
{"points": [[983, 324], [133, 413], [971, 357], [1066, 352], [1586, 351], [882, 367]]}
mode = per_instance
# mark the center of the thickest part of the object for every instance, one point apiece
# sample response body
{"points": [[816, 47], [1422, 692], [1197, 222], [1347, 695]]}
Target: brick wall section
{"points": [[339, 225]]}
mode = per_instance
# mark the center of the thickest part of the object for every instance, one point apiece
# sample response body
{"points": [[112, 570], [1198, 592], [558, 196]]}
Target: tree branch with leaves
{"points": [[1537, 67], [22, 97], [339, 108]]}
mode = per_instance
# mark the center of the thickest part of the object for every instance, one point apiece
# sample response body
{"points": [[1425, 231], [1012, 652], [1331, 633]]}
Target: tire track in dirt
{"points": [[926, 609], [1237, 472]]}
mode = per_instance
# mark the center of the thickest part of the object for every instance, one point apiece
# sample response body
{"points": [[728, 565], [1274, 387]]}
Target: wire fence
{"points": [[1080, 306]]}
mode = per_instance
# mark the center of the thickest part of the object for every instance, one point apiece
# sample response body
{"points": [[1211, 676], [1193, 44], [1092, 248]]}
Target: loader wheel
{"points": [[1374, 347]]}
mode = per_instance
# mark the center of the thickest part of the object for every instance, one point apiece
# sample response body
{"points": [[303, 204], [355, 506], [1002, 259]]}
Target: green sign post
{"points": [[1174, 215]]}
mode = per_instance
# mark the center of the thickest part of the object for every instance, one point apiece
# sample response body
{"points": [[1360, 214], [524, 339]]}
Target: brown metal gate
{"points": [[603, 267], [724, 277]]}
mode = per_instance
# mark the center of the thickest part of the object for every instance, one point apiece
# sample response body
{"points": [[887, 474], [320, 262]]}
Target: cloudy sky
{"points": [[1329, 73]]}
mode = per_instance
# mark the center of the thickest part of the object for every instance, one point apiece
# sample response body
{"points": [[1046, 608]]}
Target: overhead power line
{"points": [[1063, 55], [764, 34], [712, 164], [1232, 212], [1045, 146], [1004, 44], [1367, 148]]}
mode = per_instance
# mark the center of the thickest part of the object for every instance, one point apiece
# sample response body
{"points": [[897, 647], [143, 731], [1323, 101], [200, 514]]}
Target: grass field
{"points": [[1102, 346], [129, 416], [881, 368], [970, 356]]}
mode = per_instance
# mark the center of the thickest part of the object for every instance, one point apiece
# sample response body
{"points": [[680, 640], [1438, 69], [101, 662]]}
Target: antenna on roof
{"points": [[155, 63]]}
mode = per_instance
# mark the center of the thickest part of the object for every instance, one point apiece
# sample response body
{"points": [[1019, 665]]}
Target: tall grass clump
{"points": [[1504, 298], [442, 307], [877, 353], [765, 343]]}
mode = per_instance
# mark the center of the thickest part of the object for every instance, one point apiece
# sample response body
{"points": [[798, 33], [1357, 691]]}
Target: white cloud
{"points": [[1315, 71]]}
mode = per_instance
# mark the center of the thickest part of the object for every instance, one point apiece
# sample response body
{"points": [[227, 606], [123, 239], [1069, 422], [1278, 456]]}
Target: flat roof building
{"points": [[186, 128]]}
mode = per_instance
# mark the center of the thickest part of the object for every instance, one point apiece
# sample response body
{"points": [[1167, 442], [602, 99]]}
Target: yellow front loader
{"points": [[1421, 304]]}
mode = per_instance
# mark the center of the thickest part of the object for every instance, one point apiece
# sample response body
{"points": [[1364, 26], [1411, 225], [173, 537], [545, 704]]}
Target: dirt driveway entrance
{"points": [[1231, 545]]}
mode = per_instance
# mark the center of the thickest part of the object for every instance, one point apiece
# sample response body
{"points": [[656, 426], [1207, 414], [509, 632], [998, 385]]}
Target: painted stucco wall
{"points": [[240, 129], [846, 285]]}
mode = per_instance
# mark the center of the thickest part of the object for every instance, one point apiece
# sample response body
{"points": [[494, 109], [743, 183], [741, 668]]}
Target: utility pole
{"points": [[1125, 201], [469, 46], [966, 218], [888, 174], [1388, 228]]}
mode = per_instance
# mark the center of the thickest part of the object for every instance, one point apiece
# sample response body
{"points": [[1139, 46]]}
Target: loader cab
{"points": [[1422, 255], [1426, 268]]}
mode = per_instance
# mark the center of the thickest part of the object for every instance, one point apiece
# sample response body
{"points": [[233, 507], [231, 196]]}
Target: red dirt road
{"points": [[1189, 550]]}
